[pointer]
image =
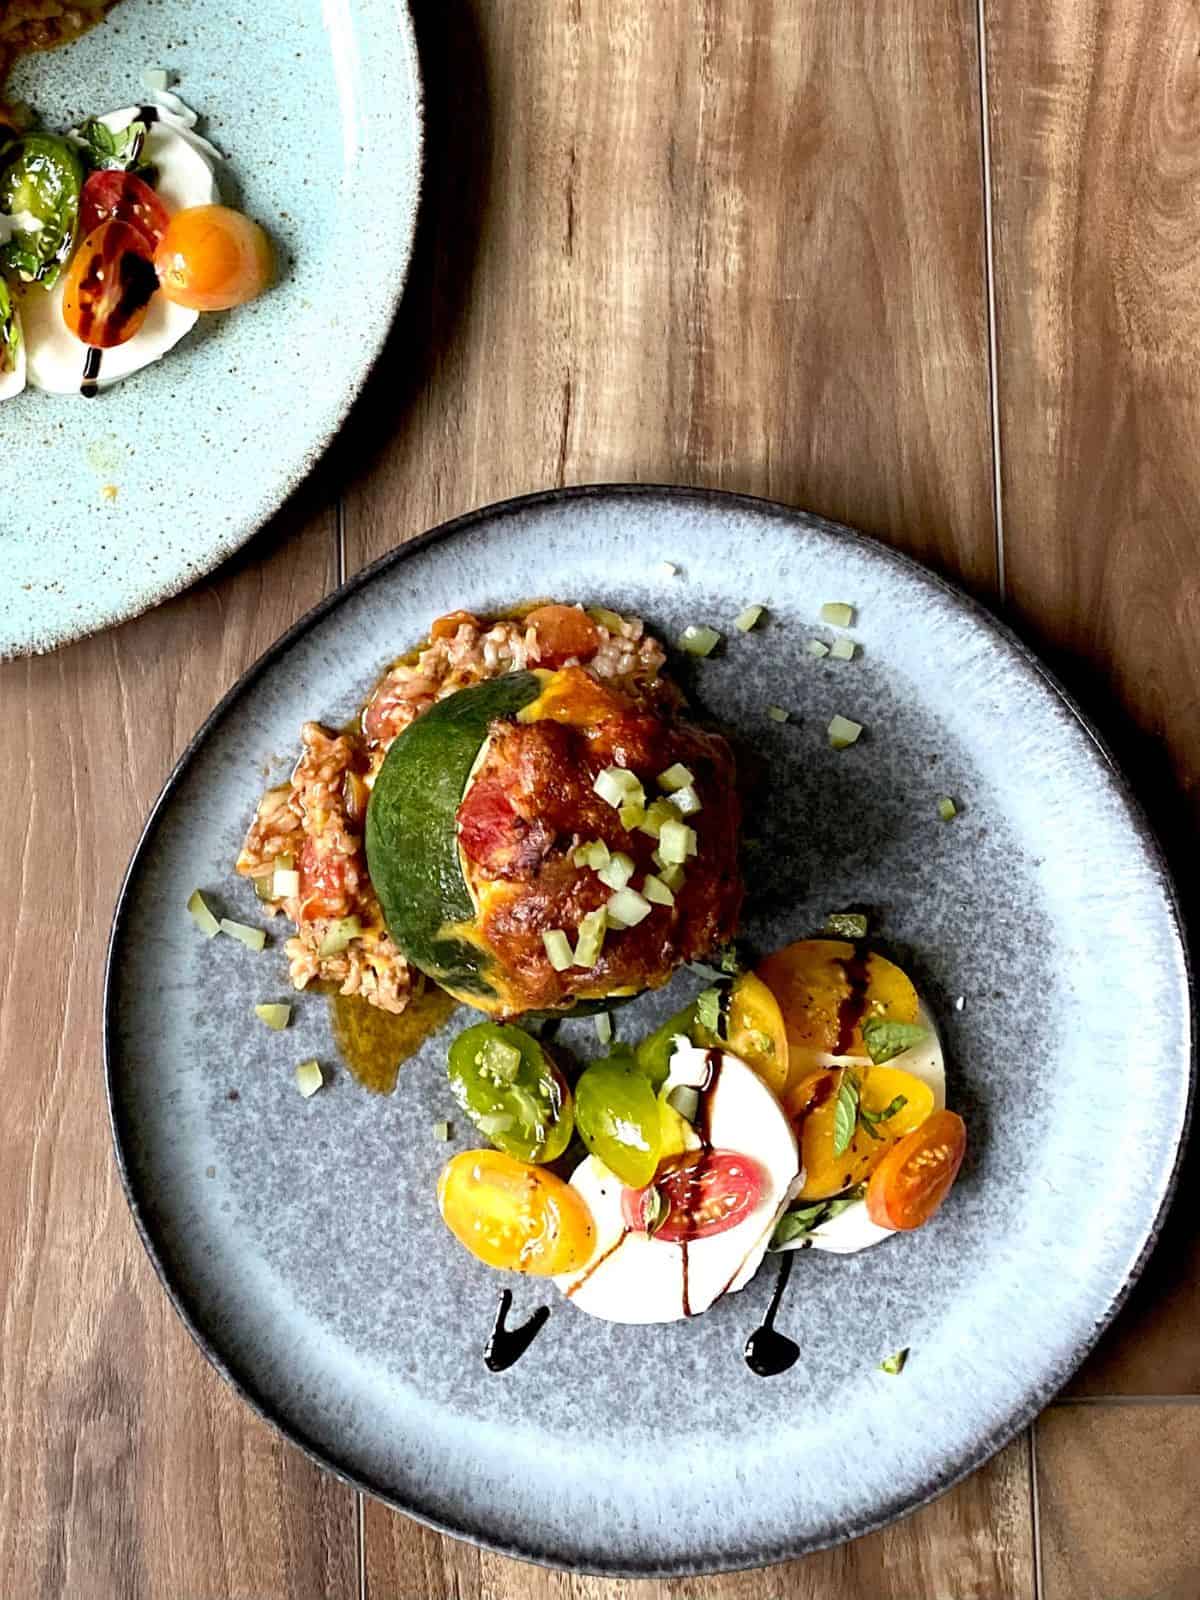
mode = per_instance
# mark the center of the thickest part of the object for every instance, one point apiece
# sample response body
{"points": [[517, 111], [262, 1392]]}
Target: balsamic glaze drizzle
{"points": [[769, 1352], [505, 1345], [91, 372]]}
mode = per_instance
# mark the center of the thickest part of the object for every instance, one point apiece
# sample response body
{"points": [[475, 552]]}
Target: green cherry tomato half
{"points": [[512, 1091], [654, 1053], [41, 177], [617, 1114]]}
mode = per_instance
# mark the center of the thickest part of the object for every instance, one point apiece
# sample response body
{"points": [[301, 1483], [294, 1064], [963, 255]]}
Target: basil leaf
{"points": [[112, 152], [845, 1115], [850, 925], [796, 1224], [868, 1119], [834, 1208], [886, 1039], [895, 1364], [654, 1210], [708, 1010]]}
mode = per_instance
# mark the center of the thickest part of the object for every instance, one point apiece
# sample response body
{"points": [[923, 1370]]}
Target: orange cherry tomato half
{"points": [[515, 1215], [123, 197], [706, 1193], [563, 632], [212, 258], [915, 1176], [109, 286]]}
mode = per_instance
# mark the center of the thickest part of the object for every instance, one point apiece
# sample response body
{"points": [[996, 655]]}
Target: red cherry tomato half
{"points": [[109, 286], [123, 197], [705, 1193]]}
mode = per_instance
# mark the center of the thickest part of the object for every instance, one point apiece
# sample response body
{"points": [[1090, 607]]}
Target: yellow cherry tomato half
{"points": [[812, 1108], [212, 258], [515, 1215], [827, 989], [756, 1031]]}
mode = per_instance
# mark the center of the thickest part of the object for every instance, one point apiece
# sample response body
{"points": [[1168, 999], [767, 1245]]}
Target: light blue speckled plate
{"points": [[301, 1242], [317, 105]]}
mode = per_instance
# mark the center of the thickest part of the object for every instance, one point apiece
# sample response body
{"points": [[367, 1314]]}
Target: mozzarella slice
{"points": [[634, 1278], [55, 356], [852, 1229], [11, 383]]}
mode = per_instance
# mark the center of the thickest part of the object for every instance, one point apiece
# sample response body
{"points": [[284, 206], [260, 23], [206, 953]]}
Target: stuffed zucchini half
{"points": [[544, 841]]}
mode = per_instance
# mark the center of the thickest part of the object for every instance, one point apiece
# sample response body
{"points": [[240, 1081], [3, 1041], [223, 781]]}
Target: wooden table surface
{"points": [[924, 268]]}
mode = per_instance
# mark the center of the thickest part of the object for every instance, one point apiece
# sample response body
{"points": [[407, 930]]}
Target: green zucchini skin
{"points": [[411, 836]]}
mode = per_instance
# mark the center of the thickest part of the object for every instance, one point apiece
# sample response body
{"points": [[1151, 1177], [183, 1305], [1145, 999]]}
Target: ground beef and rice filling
{"points": [[314, 823]]}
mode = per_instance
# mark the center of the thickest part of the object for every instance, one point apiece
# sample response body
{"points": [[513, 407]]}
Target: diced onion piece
{"points": [[286, 883], [777, 714], [843, 649], [276, 1017], [698, 639], [497, 1122], [837, 614], [338, 935], [843, 733], [441, 1130], [309, 1078], [658, 812], [264, 886], [619, 787], [747, 619], [203, 917], [686, 1101], [947, 810], [632, 816], [676, 843], [604, 1027], [252, 938], [499, 1062], [590, 940], [657, 892], [611, 620], [686, 801], [629, 908], [672, 875], [618, 871], [594, 854], [676, 777], [657, 857], [846, 924], [155, 80], [558, 949], [816, 648]]}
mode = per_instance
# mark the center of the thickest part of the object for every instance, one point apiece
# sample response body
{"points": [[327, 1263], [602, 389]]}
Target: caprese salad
{"points": [[800, 1105], [113, 239]]}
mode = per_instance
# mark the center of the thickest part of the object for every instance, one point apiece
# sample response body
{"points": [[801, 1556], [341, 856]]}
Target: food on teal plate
{"points": [[797, 1106], [113, 241], [523, 813]]}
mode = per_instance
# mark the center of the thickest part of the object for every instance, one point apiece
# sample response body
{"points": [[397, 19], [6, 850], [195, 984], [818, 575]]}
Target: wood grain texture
{"points": [[975, 1543], [128, 1471], [1117, 1486], [737, 244], [1095, 125]]}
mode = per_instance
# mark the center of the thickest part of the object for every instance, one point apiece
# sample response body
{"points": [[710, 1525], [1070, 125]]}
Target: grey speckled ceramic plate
{"points": [[317, 106], [301, 1242]]}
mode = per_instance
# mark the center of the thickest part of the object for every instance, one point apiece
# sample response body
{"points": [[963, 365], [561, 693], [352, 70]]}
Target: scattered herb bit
{"points": [[109, 151], [885, 1040], [276, 1017], [203, 917], [699, 640], [843, 649], [817, 648], [845, 1114], [708, 1010], [252, 938], [870, 1120], [843, 733], [309, 1078], [604, 1027], [749, 618], [846, 924], [777, 714], [894, 1365], [837, 614], [947, 810], [558, 949]]}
